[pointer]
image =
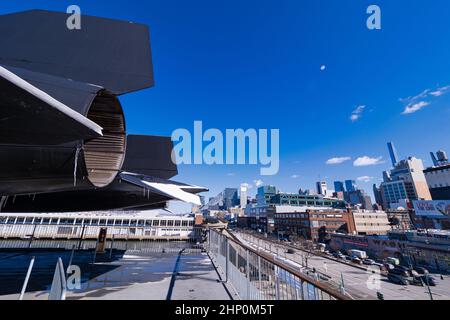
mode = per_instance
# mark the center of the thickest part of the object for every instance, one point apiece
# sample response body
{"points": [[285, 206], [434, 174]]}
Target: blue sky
{"points": [[257, 64]]}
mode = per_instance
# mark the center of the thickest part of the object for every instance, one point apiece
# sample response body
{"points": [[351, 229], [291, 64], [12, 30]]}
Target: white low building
{"points": [[369, 222]]}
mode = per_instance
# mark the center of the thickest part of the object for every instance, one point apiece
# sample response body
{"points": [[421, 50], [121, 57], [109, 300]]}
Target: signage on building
{"points": [[437, 208]]}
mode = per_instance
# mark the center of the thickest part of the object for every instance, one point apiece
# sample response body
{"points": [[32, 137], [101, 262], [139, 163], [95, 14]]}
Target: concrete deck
{"points": [[130, 275]]}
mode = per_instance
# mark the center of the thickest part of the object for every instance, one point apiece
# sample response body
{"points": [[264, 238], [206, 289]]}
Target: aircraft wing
{"points": [[170, 189], [150, 155], [30, 116], [113, 54]]}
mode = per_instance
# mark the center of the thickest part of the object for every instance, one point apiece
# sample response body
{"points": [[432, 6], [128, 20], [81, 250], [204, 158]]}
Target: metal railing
{"points": [[257, 276], [59, 285], [68, 232]]}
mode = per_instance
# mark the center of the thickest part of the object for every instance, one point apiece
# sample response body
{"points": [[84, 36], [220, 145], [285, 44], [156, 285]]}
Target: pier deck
{"points": [[129, 275]]}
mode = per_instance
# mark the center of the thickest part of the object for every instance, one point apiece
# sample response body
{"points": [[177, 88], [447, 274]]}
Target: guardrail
{"points": [[59, 285], [83, 244], [258, 276], [279, 249]]}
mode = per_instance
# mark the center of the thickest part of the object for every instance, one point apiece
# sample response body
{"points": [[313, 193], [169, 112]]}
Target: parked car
{"points": [[421, 270], [338, 255], [399, 272], [427, 280], [402, 268], [380, 265], [368, 262], [389, 266], [398, 279], [356, 260], [290, 251], [393, 261]]}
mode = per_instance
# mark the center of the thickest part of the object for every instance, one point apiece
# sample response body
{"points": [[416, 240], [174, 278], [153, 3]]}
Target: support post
{"points": [[248, 275], [27, 278], [227, 260]]}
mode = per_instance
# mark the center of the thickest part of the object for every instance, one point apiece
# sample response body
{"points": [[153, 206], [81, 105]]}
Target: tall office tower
{"points": [[393, 153], [339, 186], [435, 161], [265, 194], [321, 187], [407, 181], [377, 195], [359, 197], [411, 172], [442, 157], [243, 196], [350, 185], [438, 176], [230, 197], [386, 176]]}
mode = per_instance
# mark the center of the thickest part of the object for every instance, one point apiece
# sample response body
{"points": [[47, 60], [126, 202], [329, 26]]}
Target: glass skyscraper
{"points": [[339, 186], [350, 185]]}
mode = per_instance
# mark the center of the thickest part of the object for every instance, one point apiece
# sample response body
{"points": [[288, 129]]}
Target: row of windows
{"points": [[305, 216], [384, 217], [441, 185], [298, 222], [308, 203], [436, 172], [96, 222]]}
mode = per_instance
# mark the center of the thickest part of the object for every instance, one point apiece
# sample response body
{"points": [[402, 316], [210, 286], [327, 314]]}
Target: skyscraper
{"points": [[339, 186], [393, 153], [243, 196], [438, 176], [265, 193], [359, 197], [350, 185], [440, 159], [377, 195], [442, 156], [406, 181], [321, 187], [230, 197]]}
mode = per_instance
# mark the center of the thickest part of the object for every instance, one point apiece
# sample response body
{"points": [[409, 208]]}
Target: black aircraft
{"points": [[63, 140]]}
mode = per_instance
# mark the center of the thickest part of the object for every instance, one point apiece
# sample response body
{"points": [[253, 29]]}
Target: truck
{"points": [[358, 254], [393, 261]]}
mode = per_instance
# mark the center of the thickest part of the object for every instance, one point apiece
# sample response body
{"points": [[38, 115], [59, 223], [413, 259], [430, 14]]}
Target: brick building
{"points": [[312, 223]]}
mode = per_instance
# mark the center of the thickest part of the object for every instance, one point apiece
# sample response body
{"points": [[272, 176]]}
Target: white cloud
{"points": [[409, 100], [367, 161], [295, 176], [423, 99], [357, 113], [258, 183], [231, 174], [411, 108], [440, 91], [364, 179], [338, 160]]}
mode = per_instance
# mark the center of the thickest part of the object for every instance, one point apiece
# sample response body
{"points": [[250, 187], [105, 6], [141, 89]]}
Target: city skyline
{"points": [[232, 151], [336, 90]]}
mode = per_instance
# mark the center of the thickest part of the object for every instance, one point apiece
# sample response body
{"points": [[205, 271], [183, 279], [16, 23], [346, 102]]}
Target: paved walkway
{"points": [[134, 275]]}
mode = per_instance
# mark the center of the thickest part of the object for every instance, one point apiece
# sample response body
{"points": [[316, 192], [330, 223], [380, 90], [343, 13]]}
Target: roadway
{"points": [[358, 282]]}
